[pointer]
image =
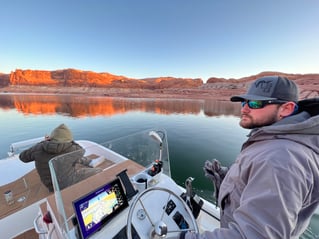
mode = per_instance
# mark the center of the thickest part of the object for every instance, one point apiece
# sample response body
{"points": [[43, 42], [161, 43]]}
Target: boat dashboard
{"points": [[156, 210]]}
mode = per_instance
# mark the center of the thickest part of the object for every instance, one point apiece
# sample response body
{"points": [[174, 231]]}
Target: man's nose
{"points": [[245, 108]]}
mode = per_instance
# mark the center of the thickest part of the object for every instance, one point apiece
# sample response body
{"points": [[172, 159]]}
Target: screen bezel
{"points": [[77, 203]]}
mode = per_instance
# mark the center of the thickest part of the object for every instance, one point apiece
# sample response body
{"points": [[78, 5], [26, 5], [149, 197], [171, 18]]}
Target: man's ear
{"points": [[287, 109]]}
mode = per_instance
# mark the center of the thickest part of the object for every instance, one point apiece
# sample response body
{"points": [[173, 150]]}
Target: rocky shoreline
{"points": [[216, 94]]}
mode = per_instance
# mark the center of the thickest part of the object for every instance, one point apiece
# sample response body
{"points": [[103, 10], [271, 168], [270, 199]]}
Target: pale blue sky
{"points": [[151, 38]]}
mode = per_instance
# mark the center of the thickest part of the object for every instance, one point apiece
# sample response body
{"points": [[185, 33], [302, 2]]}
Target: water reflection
{"points": [[81, 106]]}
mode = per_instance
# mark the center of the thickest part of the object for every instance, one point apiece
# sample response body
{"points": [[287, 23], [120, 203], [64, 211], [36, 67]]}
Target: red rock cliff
{"points": [[72, 77], [77, 81]]}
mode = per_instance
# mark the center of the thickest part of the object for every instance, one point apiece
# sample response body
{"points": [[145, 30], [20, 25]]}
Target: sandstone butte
{"points": [[72, 81]]}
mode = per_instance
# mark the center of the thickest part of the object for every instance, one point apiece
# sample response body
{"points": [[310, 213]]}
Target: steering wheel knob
{"points": [[160, 230]]}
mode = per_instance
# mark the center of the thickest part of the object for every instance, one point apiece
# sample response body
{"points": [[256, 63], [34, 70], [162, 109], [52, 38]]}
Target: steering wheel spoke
{"points": [[146, 212]]}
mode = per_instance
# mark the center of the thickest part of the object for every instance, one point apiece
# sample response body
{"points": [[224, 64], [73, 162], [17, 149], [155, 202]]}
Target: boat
{"points": [[133, 195]]}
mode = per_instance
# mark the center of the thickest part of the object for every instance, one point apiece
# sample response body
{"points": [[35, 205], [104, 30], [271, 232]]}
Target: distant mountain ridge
{"points": [[63, 80], [78, 78]]}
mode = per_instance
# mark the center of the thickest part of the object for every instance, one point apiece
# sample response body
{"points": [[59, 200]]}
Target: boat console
{"points": [[157, 211]]}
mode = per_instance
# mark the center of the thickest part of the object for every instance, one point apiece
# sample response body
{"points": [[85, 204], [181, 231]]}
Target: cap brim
{"points": [[236, 98]]}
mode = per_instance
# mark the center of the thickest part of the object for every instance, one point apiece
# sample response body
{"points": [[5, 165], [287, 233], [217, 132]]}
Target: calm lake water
{"points": [[197, 130]]}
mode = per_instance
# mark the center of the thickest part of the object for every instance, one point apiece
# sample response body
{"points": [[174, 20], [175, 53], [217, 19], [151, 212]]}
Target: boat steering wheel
{"points": [[155, 212]]}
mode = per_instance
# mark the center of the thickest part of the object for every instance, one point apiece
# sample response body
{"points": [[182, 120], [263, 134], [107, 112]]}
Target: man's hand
{"points": [[215, 172]]}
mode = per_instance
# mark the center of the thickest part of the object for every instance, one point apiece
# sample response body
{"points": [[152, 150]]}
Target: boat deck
{"points": [[29, 187], [30, 234], [31, 190]]}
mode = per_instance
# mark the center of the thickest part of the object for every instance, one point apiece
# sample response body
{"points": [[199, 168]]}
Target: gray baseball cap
{"points": [[270, 88]]}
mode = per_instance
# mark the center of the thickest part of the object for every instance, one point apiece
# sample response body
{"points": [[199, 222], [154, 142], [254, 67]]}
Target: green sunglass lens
{"points": [[255, 104]]}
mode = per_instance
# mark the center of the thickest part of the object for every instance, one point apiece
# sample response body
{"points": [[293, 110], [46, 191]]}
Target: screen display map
{"points": [[99, 206]]}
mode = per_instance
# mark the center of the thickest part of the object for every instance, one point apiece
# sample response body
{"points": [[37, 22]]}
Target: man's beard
{"points": [[247, 122]]}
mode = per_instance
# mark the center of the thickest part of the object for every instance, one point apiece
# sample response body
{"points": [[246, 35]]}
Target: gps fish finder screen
{"points": [[98, 207]]}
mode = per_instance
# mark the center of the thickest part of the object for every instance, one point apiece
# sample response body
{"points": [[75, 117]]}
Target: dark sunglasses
{"points": [[258, 104]]}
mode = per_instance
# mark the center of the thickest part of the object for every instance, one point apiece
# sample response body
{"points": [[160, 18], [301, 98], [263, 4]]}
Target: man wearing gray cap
{"points": [[272, 189]]}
